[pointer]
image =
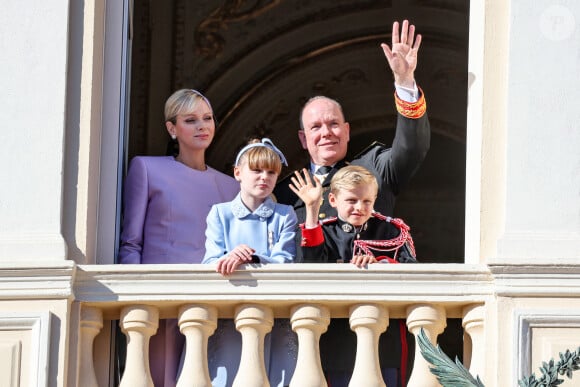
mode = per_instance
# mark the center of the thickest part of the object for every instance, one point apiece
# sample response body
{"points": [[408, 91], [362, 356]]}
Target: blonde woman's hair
{"points": [[351, 177], [182, 102], [260, 157]]}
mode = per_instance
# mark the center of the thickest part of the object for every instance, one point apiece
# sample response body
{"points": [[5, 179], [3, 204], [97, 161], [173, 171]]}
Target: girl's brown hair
{"points": [[260, 157]]}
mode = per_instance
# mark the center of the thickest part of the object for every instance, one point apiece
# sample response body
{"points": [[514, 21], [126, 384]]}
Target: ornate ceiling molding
{"points": [[209, 41]]}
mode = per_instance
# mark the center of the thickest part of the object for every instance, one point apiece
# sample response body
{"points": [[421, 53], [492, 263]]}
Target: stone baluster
{"points": [[433, 319], [197, 323], [138, 323], [253, 322], [368, 321], [474, 354], [91, 325], [309, 322]]}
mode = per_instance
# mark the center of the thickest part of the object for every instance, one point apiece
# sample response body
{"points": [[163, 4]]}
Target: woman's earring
{"points": [[173, 136]]}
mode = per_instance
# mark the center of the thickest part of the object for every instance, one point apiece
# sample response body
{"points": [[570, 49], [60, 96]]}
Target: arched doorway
{"points": [[258, 61]]}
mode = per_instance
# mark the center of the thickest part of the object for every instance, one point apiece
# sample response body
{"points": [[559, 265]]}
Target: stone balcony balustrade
{"points": [[310, 295]]}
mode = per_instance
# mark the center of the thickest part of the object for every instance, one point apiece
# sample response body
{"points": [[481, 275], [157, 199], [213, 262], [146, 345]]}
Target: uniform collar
{"points": [[349, 228], [240, 211]]}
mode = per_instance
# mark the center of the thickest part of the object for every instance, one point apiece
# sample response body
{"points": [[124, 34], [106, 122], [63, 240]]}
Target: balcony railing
{"points": [[425, 295]]}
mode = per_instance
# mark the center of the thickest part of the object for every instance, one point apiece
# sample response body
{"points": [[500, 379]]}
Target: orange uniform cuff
{"points": [[411, 110], [311, 236]]}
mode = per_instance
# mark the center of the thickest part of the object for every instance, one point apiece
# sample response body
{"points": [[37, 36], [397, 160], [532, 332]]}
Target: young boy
{"points": [[352, 237], [357, 230]]}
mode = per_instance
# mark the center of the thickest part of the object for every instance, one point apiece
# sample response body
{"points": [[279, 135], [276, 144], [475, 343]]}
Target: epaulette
{"points": [[332, 219], [368, 148], [399, 223], [380, 216]]}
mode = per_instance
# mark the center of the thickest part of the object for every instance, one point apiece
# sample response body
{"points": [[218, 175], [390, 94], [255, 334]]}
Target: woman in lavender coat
{"points": [[166, 202]]}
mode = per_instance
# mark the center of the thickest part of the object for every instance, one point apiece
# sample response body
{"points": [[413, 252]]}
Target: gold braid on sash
{"points": [[411, 110]]}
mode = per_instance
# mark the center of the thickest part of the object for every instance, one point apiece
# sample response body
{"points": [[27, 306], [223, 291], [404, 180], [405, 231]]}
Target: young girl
{"points": [[252, 229]]}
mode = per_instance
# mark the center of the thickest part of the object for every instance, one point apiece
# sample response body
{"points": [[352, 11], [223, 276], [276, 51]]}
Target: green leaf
{"points": [[569, 362], [448, 373]]}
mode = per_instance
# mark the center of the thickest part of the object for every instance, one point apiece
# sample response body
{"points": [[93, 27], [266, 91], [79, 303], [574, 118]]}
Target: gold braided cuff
{"points": [[411, 110]]}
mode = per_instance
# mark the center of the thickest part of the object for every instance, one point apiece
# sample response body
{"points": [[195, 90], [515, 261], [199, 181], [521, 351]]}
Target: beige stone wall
{"points": [[33, 342]]}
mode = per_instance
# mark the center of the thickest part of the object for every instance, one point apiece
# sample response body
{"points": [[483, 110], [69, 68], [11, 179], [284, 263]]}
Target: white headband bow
{"points": [[266, 142]]}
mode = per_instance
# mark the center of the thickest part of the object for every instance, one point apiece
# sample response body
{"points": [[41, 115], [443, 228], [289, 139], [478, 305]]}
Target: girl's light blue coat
{"points": [[269, 230]]}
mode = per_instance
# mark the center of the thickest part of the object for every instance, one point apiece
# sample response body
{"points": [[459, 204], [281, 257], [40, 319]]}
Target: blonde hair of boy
{"points": [[351, 177]]}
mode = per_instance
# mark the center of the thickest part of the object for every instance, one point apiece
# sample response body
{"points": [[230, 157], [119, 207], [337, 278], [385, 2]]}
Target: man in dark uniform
{"points": [[325, 134]]}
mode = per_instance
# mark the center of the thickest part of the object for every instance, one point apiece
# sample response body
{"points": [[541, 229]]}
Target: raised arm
{"points": [[402, 55], [413, 135], [310, 192]]}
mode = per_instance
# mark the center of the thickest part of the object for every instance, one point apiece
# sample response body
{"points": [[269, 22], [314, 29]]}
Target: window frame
{"points": [[115, 113]]}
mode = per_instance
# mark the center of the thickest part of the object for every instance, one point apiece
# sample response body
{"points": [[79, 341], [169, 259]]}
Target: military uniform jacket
{"points": [[334, 240], [393, 167]]}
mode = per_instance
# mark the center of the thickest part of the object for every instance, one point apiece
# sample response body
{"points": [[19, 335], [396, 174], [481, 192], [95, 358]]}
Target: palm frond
{"points": [[448, 372]]}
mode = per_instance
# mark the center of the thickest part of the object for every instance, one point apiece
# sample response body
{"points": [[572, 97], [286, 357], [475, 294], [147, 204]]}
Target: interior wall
{"points": [[259, 61]]}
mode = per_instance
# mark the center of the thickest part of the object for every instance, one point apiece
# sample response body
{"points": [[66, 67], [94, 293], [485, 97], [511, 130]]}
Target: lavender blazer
{"points": [[165, 208]]}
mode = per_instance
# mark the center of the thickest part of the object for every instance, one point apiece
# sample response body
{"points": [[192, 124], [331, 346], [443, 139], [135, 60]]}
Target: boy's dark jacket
{"points": [[338, 344], [336, 240]]}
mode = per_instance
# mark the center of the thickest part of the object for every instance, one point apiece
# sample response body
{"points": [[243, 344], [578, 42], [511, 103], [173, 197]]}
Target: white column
{"points": [[432, 318], [197, 323], [91, 325], [138, 323], [309, 322], [33, 75], [473, 318], [542, 163], [368, 321], [253, 322]]}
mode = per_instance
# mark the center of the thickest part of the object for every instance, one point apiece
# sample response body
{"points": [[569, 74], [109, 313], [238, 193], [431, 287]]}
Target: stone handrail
{"points": [[425, 295]]}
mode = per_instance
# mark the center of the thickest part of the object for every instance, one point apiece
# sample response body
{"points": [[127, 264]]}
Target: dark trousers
{"points": [[338, 351], [341, 378]]}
